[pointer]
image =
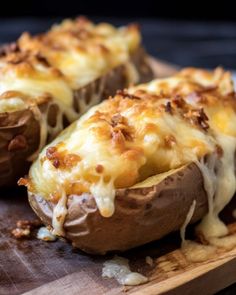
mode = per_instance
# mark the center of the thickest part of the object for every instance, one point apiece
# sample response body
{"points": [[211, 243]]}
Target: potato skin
{"points": [[18, 140], [141, 215], [24, 128]]}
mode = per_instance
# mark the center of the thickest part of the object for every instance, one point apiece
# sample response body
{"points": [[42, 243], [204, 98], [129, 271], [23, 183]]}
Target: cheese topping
{"points": [[50, 68], [59, 216], [145, 131], [83, 51], [66, 58]]}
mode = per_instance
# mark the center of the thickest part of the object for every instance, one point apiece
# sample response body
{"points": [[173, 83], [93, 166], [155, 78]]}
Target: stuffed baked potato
{"points": [[49, 80], [128, 171]]}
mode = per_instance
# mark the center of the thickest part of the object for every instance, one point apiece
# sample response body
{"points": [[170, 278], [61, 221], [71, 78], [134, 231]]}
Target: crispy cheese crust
{"points": [[57, 76], [67, 57], [140, 132]]}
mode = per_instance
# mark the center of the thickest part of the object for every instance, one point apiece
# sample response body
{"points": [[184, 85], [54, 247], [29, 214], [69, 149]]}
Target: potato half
{"points": [[131, 169], [142, 214], [31, 115]]}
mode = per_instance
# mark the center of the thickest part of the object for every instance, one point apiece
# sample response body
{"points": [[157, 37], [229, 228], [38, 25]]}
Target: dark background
{"points": [[177, 9]]}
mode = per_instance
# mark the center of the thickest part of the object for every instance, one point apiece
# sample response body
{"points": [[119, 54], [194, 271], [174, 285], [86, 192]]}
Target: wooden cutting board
{"points": [[32, 266], [38, 267]]}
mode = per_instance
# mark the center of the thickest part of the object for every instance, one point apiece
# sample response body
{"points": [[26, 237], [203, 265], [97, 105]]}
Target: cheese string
{"points": [[186, 222]]}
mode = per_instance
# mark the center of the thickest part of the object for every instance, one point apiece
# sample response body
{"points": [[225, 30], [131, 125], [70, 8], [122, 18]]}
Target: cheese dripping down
{"points": [[59, 215], [220, 185], [104, 194], [187, 221]]}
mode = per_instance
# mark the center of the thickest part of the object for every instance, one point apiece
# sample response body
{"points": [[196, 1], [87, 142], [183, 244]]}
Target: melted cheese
{"points": [[93, 142], [59, 215], [50, 68], [195, 252], [220, 188], [36, 86], [187, 220], [45, 235], [118, 268], [145, 132], [83, 51]]}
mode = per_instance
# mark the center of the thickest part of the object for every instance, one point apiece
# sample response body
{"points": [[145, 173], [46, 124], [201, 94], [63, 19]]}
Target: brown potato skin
{"points": [[23, 126], [18, 140], [141, 215]]}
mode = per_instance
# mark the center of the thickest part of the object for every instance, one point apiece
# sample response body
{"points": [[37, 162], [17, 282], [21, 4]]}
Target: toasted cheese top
{"points": [[83, 51], [67, 57], [140, 132]]}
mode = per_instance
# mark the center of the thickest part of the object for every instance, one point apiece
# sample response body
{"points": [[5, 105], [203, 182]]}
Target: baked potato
{"points": [[129, 170], [49, 80]]}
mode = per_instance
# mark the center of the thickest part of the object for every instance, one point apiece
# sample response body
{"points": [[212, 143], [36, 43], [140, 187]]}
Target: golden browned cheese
{"points": [[50, 80], [67, 57], [140, 132]]}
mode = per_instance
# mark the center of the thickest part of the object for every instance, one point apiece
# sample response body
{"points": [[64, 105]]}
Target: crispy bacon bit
{"points": [[117, 119], [125, 94], [53, 156], [170, 140], [197, 117], [17, 143], [168, 107], [42, 59], [23, 181], [202, 118], [61, 159], [127, 134], [99, 168], [50, 152], [119, 124], [178, 101], [20, 233], [15, 59], [56, 163], [24, 228]]}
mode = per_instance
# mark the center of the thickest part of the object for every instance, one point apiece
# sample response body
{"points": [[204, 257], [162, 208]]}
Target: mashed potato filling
{"points": [[145, 131]]}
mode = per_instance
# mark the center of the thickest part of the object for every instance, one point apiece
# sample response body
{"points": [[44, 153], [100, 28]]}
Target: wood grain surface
{"points": [[38, 267]]}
